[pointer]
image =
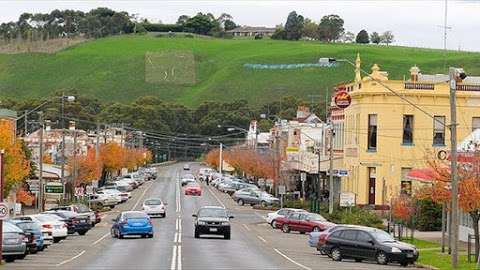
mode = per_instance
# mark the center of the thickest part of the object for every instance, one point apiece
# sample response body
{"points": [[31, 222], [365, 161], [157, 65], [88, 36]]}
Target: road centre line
{"points": [[179, 258], [100, 239], [174, 258], [71, 259], [292, 261]]}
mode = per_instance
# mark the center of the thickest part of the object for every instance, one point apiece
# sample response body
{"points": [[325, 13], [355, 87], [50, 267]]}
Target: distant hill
{"points": [[192, 70]]}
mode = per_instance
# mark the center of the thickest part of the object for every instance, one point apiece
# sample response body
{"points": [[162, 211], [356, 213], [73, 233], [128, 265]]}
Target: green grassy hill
{"points": [[117, 69]]}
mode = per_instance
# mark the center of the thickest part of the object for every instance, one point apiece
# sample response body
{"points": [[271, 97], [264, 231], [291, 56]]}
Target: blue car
{"points": [[132, 223], [29, 227]]}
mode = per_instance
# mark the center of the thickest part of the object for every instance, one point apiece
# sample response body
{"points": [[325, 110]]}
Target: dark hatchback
{"points": [[212, 220], [369, 244], [75, 223]]}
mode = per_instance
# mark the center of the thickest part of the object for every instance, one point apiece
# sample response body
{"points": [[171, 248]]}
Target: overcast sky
{"points": [[414, 23]]}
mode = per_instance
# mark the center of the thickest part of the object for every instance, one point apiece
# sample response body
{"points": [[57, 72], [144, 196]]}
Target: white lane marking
{"points": [[179, 258], [292, 261], [261, 238], [260, 216], [141, 196], [100, 239], [216, 197], [175, 238], [176, 224], [179, 238], [174, 258], [71, 259], [180, 224], [246, 227]]}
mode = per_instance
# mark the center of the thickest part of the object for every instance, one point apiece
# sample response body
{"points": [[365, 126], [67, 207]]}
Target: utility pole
{"points": [[40, 164], [74, 173], [453, 169], [25, 122], [220, 164], [2, 155], [330, 193], [63, 140], [97, 143]]}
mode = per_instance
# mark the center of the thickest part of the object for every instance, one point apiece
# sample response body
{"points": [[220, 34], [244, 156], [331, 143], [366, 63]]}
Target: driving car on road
{"points": [[132, 223], [281, 213], [303, 222], [154, 207], [369, 244], [13, 242], [187, 178], [193, 189], [212, 220], [31, 227], [186, 167]]}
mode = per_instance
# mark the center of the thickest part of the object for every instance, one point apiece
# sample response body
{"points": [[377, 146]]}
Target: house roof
{"points": [[252, 29]]}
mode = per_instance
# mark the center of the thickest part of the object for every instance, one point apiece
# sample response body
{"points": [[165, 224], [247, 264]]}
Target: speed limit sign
{"points": [[4, 212]]}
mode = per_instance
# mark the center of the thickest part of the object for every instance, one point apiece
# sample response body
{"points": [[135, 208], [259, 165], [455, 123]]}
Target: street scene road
{"points": [[254, 245]]}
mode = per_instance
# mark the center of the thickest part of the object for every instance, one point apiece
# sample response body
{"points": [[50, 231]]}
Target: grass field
{"points": [[115, 68]]}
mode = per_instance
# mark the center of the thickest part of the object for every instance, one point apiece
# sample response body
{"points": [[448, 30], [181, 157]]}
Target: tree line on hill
{"points": [[329, 29]]}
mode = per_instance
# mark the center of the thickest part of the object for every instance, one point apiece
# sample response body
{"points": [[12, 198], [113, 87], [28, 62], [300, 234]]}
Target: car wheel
{"points": [[9, 258], [164, 215], [112, 206], [274, 224], [358, 260], [263, 204], [404, 264], [112, 233], [322, 252], [56, 239], [381, 258], [120, 236], [336, 254], [42, 248], [33, 250], [82, 232], [227, 236], [285, 228], [240, 202], [144, 236], [150, 235], [197, 234], [316, 229], [302, 232]]}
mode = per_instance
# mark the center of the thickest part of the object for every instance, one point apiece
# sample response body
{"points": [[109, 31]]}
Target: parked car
{"points": [[186, 167], [318, 239], [14, 244], [154, 207], [98, 217], [212, 220], [303, 222], [75, 223], [52, 226], [204, 172], [254, 197], [132, 223], [193, 189], [45, 231], [80, 209], [101, 200], [369, 244], [187, 178], [281, 213], [119, 196], [35, 242]]}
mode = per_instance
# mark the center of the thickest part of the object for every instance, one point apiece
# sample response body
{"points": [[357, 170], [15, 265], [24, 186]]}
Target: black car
{"points": [[75, 223], [212, 220], [369, 244]]}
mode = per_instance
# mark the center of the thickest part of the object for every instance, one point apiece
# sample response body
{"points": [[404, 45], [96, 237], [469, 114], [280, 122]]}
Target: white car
{"points": [[154, 207], [123, 196], [52, 224], [107, 192], [187, 178], [271, 217]]}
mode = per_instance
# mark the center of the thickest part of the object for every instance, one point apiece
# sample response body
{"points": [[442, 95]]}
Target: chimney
{"points": [[414, 71]]}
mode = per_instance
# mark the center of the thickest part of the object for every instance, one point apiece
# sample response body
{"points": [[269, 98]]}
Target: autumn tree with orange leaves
{"points": [[468, 187], [16, 164]]}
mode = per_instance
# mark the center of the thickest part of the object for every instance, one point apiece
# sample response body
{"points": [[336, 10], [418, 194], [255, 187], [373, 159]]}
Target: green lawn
{"points": [[114, 69], [434, 257]]}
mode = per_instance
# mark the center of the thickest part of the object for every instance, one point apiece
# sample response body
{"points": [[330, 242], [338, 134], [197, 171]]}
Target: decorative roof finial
{"points": [[358, 75]]}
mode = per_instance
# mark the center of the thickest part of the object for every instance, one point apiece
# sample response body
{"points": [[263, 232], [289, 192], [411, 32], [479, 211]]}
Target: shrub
{"points": [[429, 216], [258, 37], [158, 27]]}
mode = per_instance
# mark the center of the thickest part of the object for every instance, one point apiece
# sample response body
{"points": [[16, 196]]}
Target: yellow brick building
{"points": [[385, 137]]}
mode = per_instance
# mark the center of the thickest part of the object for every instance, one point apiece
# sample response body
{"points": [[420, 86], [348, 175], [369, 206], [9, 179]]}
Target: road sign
{"points": [[4, 211], [347, 199], [281, 190], [303, 177], [339, 172], [54, 188]]}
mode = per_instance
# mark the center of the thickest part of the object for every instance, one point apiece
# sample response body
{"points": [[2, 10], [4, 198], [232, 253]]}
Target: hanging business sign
{"points": [[343, 99], [54, 188]]}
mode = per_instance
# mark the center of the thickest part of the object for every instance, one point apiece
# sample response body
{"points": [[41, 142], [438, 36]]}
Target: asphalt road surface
{"points": [[254, 245]]}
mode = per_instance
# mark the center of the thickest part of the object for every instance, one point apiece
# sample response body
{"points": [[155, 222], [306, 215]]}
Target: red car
{"points": [[303, 222], [193, 189]]}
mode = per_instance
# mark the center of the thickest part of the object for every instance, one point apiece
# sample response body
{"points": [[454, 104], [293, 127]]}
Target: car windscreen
{"points": [[382, 236], [9, 227], [153, 202], [134, 215], [212, 212], [316, 217]]}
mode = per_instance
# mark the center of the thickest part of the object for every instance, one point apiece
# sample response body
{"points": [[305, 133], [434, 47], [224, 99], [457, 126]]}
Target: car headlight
{"points": [[202, 223], [226, 223], [396, 250]]}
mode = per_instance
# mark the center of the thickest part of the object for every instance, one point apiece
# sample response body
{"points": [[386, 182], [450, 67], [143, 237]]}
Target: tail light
{"points": [[23, 238], [125, 222], [47, 226], [74, 221]]}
